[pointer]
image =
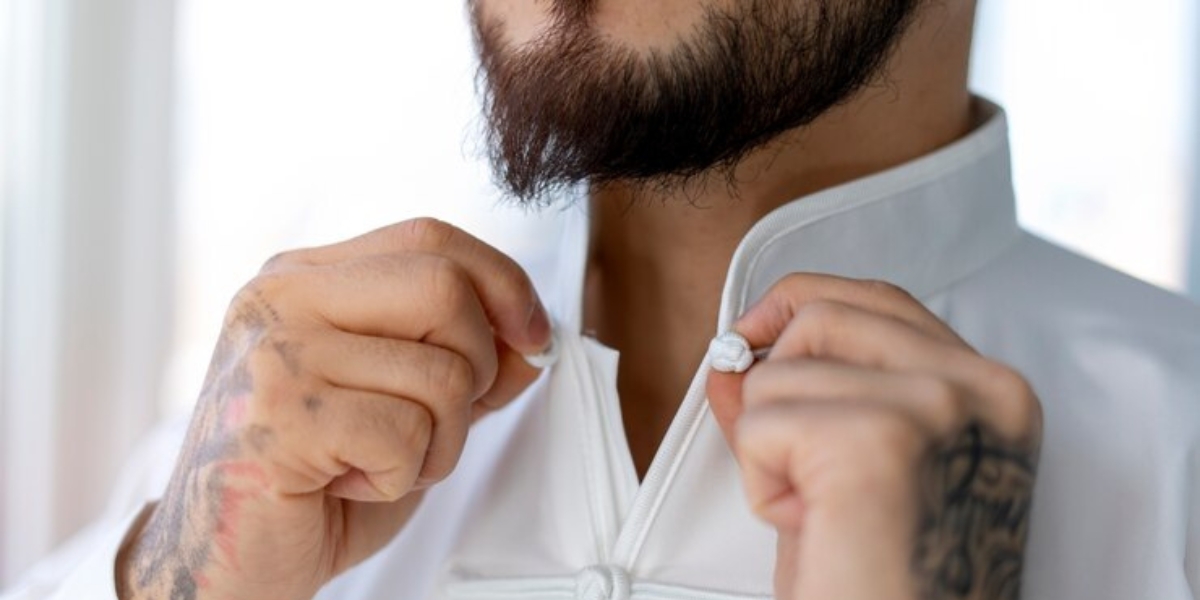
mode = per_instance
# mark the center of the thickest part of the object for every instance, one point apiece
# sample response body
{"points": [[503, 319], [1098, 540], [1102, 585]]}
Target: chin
{"points": [[519, 22], [638, 25]]}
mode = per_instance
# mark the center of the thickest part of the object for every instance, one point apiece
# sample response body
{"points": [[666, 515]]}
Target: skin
{"points": [[894, 461], [658, 263], [344, 383]]}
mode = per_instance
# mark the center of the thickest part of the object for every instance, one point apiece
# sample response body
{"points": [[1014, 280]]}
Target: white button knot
{"points": [[602, 582], [730, 353]]}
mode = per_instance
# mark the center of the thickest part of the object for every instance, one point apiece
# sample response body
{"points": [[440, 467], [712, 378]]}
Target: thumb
{"points": [[725, 400], [730, 356], [514, 375]]}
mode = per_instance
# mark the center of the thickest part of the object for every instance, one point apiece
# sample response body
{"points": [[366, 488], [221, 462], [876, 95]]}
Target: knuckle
{"points": [[283, 260], [269, 383], [886, 289], [447, 283], [1005, 380], [264, 288], [890, 439], [453, 376], [272, 368], [821, 312], [790, 284], [393, 485], [425, 232], [821, 320], [247, 295], [1015, 396], [414, 430], [944, 401]]}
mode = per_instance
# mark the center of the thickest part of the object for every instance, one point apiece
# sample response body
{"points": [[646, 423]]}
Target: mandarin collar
{"points": [[922, 225]]}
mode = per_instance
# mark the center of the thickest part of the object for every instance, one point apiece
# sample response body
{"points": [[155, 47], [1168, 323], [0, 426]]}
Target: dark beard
{"points": [[572, 108]]}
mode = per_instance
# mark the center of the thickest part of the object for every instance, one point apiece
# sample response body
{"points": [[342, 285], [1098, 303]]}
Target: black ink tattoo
{"points": [[288, 353], [971, 540], [313, 404], [177, 543], [184, 587], [259, 437]]}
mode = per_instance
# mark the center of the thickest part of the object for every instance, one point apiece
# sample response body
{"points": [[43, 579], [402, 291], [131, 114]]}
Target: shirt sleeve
{"points": [[83, 567]]}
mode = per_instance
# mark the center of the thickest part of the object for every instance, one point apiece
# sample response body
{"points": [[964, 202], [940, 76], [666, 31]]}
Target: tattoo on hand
{"points": [[197, 526], [971, 539]]}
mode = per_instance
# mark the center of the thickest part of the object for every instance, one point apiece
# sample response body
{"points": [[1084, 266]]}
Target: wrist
{"points": [[124, 579]]}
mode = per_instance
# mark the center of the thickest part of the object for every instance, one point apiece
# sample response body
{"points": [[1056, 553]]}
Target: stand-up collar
{"points": [[922, 225]]}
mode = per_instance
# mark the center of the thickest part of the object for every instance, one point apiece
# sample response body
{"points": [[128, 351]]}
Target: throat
{"points": [[659, 312], [649, 403], [659, 356]]}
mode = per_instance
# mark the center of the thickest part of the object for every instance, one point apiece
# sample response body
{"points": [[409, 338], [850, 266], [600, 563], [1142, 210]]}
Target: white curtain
{"points": [[87, 257], [1194, 254]]}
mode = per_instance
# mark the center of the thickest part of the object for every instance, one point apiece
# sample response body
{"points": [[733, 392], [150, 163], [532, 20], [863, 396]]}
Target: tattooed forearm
{"points": [[971, 540], [193, 530]]}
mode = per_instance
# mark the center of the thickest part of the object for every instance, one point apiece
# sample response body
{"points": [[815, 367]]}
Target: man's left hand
{"points": [[894, 460]]}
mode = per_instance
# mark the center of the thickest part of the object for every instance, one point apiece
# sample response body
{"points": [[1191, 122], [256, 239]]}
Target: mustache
{"points": [[572, 13], [573, 107]]}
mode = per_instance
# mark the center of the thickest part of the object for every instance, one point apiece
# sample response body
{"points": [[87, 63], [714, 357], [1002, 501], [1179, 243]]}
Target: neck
{"points": [[658, 260]]}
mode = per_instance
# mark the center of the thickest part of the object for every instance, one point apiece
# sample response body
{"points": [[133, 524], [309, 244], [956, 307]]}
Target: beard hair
{"points": [[571, 107]]}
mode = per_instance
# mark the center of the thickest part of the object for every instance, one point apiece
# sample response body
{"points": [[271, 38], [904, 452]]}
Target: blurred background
{"points": [[153, 153]]}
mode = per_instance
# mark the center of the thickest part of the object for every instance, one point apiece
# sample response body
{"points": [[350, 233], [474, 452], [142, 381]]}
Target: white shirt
{"points": [[546, 504]]}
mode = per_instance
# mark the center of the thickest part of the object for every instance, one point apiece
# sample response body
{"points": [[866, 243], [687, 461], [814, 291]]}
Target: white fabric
{"points": [[730, 353], [546, 503]]}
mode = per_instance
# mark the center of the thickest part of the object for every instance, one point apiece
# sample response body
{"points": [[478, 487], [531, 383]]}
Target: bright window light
{"points": [[310, 121]]}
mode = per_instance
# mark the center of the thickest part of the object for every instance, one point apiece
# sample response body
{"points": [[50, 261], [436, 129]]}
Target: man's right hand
{"points": [[343, 384]]}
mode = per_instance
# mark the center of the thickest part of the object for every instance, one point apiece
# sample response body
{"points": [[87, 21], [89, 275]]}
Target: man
{"points": [[402, 416]]}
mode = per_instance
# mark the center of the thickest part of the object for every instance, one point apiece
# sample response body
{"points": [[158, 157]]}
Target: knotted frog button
{"points": [[730, 353], [602, 582]]}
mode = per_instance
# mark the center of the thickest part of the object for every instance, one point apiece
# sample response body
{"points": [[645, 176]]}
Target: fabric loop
{"points": [[730, 353], [602, 582]]}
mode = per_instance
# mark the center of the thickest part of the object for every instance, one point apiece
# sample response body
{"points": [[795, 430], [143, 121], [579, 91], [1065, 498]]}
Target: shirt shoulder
{"points": [[1084, 331], [1045, 290], [1116, 364]]}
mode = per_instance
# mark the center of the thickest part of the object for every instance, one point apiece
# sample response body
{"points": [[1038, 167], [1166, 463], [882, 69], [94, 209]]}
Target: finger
{"points": [[362, 446], [842, 474], [724, 391], [845, 333], [406, 297], [422, 372], [515, 376], [505, 290], [440, 380], [767, 319], [418, 371], [823, 452], [996, 394], [831, 331], [939, 406]]}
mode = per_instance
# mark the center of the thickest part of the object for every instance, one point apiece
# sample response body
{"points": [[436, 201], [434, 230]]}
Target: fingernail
{"points": [[538, 327], [547, 357]]}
